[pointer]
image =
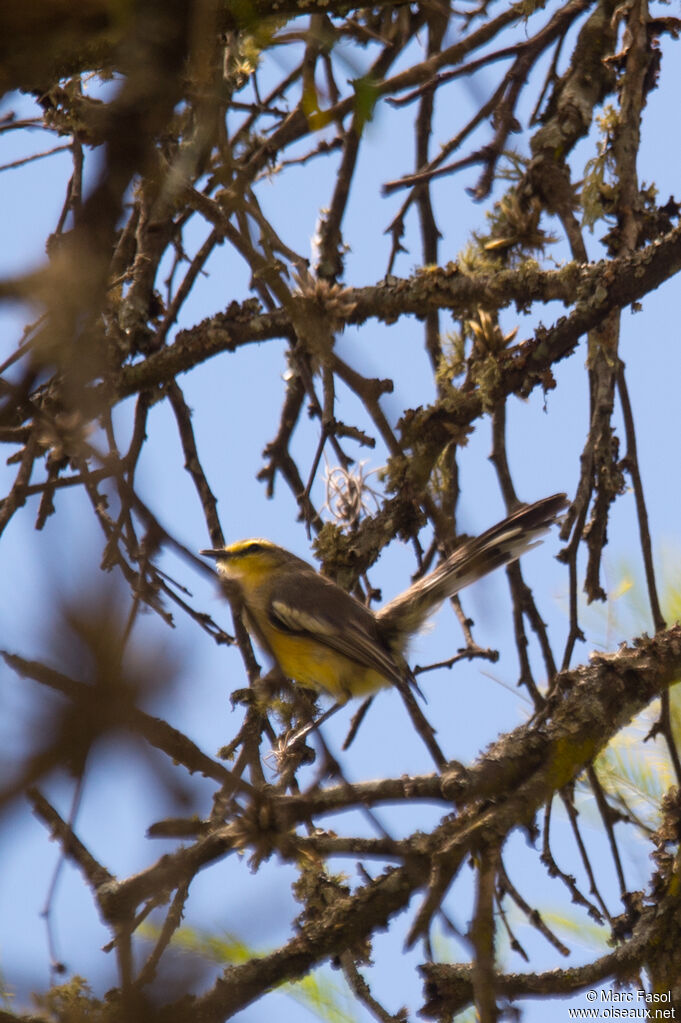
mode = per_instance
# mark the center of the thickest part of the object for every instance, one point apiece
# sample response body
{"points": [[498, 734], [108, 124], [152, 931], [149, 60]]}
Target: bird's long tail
{"points": [[499, 545]]}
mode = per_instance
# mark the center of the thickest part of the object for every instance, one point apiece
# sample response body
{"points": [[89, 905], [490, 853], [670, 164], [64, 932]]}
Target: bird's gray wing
{"points": [[312, 606]]}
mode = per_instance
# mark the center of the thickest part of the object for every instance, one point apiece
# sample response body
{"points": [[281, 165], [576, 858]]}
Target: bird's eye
{"points": [[254, 548]]}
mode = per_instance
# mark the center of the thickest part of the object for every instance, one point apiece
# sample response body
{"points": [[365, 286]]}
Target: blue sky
{"points": [[236, 401]]}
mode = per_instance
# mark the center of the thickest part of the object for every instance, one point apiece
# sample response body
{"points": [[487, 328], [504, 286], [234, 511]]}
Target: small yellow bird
{"points": [[323, 638]]}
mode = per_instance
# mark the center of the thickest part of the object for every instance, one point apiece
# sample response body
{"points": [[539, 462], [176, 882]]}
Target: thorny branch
{"points": [[494, 798]]}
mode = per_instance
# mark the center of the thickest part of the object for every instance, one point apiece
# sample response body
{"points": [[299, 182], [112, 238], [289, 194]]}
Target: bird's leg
{"points": [[357, 719], [311, 726]]}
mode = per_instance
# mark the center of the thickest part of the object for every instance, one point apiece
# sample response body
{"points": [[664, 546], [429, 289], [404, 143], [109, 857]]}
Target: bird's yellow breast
{"points": [[315, 665]]}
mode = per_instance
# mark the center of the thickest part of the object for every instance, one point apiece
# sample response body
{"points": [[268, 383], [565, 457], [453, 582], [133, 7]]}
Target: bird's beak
{"points": [[212, 553]]}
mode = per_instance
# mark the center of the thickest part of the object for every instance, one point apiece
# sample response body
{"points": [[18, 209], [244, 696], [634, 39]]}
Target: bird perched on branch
{"points": [[323, 638]]}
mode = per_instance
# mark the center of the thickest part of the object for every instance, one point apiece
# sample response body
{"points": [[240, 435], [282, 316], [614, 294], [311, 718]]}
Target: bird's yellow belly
{"points": [[319, 667]]}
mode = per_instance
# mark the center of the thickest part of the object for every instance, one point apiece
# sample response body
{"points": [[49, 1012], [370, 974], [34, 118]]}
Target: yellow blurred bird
{"points": [[323, 638]]}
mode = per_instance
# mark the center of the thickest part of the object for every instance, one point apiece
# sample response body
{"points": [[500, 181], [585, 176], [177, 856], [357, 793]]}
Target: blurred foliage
{"points": [[318, 992]]}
